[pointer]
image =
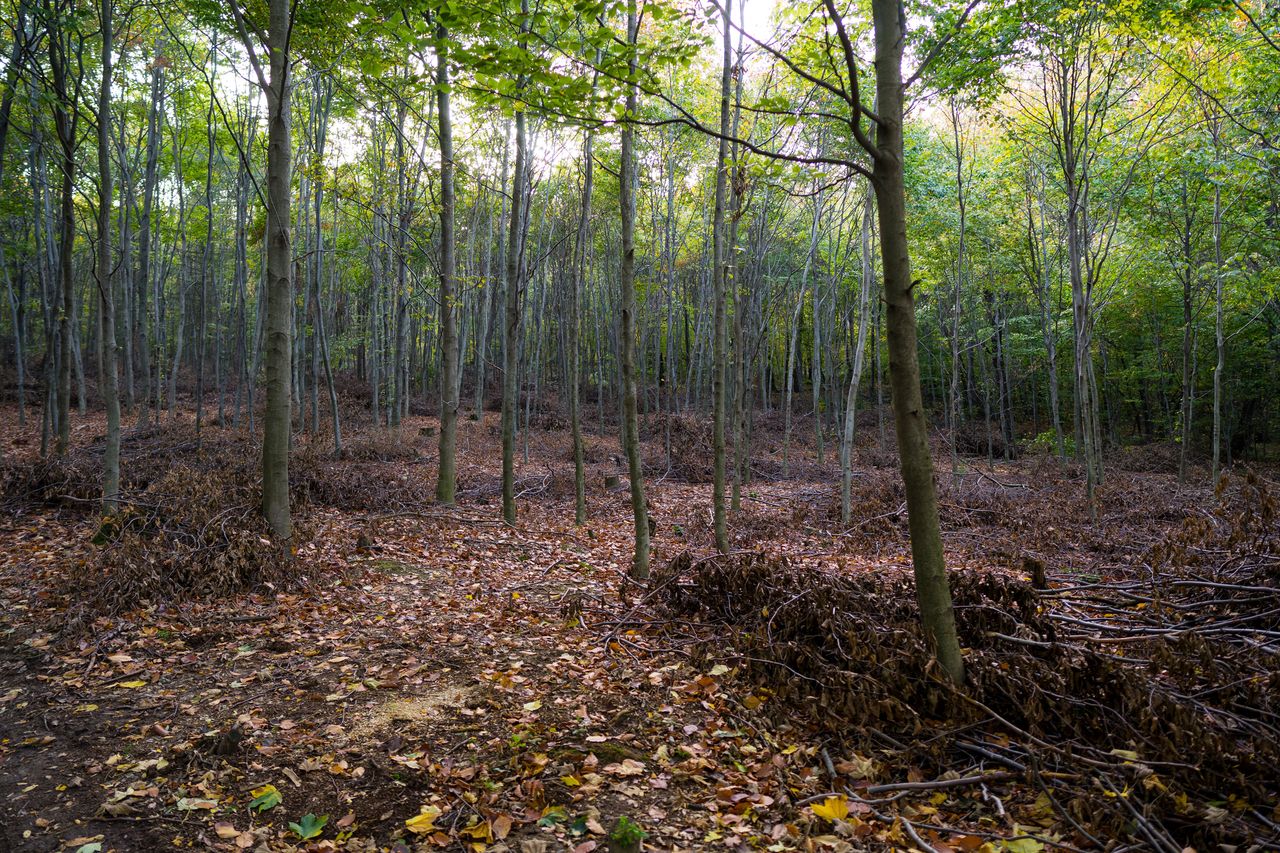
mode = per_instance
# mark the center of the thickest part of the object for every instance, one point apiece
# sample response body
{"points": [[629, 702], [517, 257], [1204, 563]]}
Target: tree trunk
{"points": [[627, 295], [511, 332], [1220, 346], [448, 475], [867, 284], [575, 298], [106, 294], [958, 153], [794, 335], [718, 260], [486, 313], [152, 355], [276, 419], [65, 119], [932, 588]]}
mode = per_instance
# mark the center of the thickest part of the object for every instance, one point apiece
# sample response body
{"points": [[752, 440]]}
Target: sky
{"points": [[756, 17]]}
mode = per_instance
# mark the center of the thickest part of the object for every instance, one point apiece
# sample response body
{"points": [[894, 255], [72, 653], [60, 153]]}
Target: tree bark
{"points": [[106, 293], [65, 120], [511, 332], [932, 588], [720, 333], [279, 327], [575, 299], [867, 284], [627, 294], [448, 474]]}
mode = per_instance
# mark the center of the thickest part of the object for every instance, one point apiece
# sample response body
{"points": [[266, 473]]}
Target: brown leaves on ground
{"points": [[418, 678]]}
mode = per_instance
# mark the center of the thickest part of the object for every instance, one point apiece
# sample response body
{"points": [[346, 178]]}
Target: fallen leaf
{"points": [[264, 798], [191, 804], [310, 826], [423, 822], [832, 808]]}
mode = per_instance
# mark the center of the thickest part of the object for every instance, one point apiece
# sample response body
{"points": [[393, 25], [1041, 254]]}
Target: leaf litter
{"points": [[424, 678]]}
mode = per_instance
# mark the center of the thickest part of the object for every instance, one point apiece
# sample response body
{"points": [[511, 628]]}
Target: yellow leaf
{"points": [[571, 781], [424, 822], [479, 831], [533, 706], [1022, 845], [752, 702], [132, 684], [832, 808]]}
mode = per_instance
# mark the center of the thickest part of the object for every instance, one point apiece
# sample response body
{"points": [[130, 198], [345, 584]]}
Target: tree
{"points": [[720, 262], [627, 295], [66, 46], [515, 266], [102, 270], [275, 40], [933, 591], [447, 478]]}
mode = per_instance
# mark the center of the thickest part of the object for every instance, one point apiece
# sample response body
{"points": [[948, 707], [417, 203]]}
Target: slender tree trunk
{"points": [[14, 66], [627, 297], [320, 118], [1220, 346], [1037, 245], [276, 420], [575, 298], [106, 294], [815, 370], [932, 587], [152, 353], [65, 118], [127, 285], [448, 474], [486, 313], [511, 333], [866, 285], [206, 259], [794, 334], [720, 332], [1188, 380], [741, 298], [958, 153]]}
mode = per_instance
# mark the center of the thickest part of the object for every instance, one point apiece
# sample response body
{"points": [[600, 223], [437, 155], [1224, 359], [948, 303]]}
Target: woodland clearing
{"points": [[417, 677]]}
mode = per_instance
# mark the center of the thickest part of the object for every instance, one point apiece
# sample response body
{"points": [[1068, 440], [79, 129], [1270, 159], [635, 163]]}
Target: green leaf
{"points": [[264, 798], [309, 827]]}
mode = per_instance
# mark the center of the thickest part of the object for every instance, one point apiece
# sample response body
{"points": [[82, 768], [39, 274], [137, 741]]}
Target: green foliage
{"points": [[627, 832], [309, 826], [1046, 444]]}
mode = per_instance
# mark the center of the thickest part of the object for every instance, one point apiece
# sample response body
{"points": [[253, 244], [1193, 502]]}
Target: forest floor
{"points": [[426, 678]]}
